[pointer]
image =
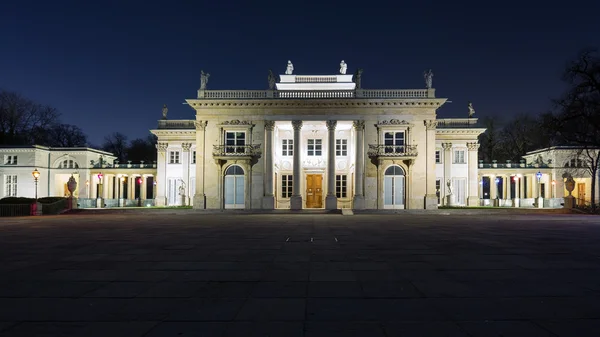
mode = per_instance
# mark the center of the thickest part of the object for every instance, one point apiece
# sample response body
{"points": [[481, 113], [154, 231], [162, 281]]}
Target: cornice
{"points": [[313, 103], [174, 132]]}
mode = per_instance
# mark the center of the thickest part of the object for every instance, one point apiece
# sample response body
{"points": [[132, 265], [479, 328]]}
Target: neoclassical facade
{"points": [[316, 141]]}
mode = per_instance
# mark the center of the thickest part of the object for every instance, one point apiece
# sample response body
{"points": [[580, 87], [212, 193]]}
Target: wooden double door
{"points": [[314, 191]]}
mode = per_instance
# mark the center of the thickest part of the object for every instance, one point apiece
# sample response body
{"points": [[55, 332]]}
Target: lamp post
{"points": [[36, 176], [99, 201], [540, 202]]}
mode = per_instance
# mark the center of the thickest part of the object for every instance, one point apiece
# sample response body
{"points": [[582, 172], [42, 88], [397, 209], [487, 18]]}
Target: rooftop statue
{"points": [[164, 111], [471, 110], [272, 80], [343, 67], [203, 80], [290, 68], [357, 78], [428, 75]]}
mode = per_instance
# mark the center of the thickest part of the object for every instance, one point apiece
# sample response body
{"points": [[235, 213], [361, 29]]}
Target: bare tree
{"points": [[523, 134], [489, 140], [142, 149], [21, 119], [576, 120], [60, 135], [116, 143]]}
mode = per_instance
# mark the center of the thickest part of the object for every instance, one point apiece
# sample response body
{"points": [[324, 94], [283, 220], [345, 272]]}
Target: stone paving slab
{"points": [[188, 273]]}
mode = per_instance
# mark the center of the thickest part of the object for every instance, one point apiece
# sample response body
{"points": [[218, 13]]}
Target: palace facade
{"points": [[317, 141]]}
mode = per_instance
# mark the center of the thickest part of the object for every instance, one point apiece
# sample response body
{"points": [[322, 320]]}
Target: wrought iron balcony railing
{"points": [[392, 150], [237, 150]]}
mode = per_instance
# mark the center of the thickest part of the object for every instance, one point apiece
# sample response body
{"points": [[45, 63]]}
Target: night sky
{"points": [[111, 65]]}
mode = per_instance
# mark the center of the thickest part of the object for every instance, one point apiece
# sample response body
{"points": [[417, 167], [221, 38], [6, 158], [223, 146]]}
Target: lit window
{"points": [[459, 157], [341, 147], [286, 185], [10, 185], [314, 147], [287, 147], [341, 186]]}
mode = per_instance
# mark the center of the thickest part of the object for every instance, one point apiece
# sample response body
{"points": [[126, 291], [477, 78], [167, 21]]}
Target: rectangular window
{"points": [[438, 185], [341, 147], [235, 142], [287, 147], [10, 160], [286, 185], [173, 157], [459, 157], [394, 142], [341, 186], [194, 157], [459, 189], [10, 185], [315, 147], [438, 156]]}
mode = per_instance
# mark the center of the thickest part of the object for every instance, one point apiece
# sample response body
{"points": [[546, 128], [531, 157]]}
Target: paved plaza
{"points": [[184, 273]]}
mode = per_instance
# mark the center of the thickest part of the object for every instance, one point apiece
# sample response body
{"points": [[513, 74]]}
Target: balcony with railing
{"points": [[236, 151], [176, 124], [392, 151], [317, 94]]}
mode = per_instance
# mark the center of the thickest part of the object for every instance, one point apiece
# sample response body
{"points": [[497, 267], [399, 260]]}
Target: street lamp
{"points": [[539, 179], [36, 176], [100, 185]]}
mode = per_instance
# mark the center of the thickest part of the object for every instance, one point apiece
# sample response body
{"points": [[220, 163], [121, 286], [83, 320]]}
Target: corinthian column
{"points": [[331, 199], [473, 199], [199, 196], [268, 197], [359, 173], [296, 199]]}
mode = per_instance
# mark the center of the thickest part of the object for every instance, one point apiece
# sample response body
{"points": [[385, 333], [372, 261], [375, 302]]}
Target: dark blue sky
{"points": [[111, 65]]}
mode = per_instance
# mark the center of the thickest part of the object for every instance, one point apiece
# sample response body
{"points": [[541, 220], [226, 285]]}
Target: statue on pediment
{"points": [[343, 67], [290, 68], [471, 110], [203, 79], [357, 78], [428, 75], [272, 80], [164, 111]]}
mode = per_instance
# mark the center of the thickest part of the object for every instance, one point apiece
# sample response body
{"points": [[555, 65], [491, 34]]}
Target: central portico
{"points": [[309, 141]]}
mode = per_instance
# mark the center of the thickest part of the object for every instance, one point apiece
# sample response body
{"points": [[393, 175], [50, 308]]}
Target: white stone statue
{"points": [[203, 80], [428, 75], [290, 68], [471, 110], [164, 111], [343, 67]]}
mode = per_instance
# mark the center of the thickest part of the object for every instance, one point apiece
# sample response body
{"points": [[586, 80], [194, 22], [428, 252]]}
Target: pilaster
{"points": [[199, 196], [161, 173], [185, 161], [268, 197], [447, 170], [473, 198], [430, 196], [359, 170]]}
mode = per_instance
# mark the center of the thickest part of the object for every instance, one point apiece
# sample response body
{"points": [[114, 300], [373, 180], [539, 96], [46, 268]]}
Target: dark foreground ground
{"points": [[192, 274]]}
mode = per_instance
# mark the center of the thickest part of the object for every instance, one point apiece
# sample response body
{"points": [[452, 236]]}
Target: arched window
{"points": [[68, 163]]}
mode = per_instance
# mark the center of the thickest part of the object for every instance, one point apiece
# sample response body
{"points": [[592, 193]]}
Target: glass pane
{"points": [[239, 190], [387, 189], [399, 190], [229, 190]]}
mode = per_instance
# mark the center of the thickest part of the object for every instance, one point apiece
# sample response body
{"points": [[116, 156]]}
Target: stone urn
{"points": [[570, 185], [72, 185]]}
